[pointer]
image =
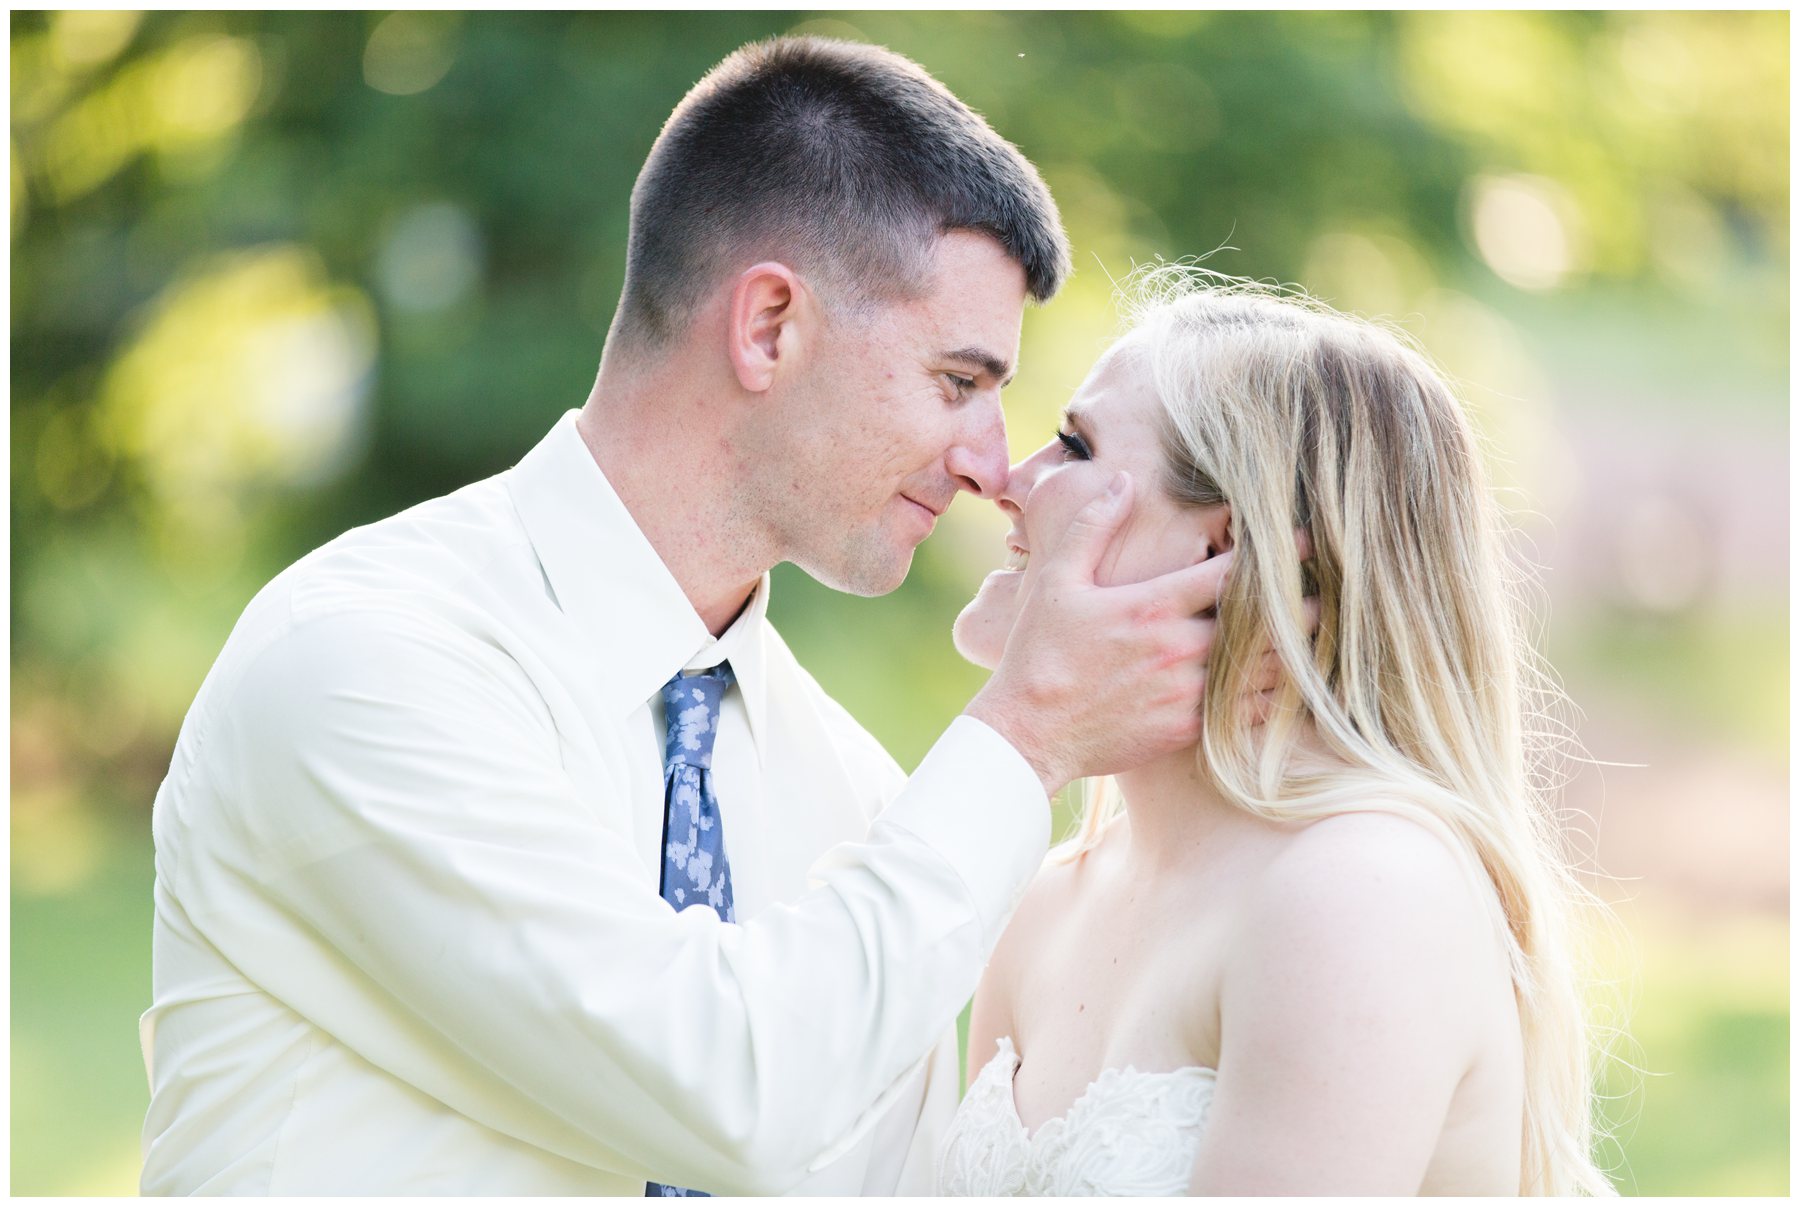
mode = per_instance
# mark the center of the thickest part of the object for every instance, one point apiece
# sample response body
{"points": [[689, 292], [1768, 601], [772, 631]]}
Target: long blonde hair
{"points": [[1422, 682]]}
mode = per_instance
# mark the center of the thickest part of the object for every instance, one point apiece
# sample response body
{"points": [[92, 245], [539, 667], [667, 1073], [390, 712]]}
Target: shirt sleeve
{"points": [[392, 848], [943, 1091]]}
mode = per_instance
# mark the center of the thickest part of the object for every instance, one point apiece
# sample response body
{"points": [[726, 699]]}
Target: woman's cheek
{"points": [[1048, 513]]}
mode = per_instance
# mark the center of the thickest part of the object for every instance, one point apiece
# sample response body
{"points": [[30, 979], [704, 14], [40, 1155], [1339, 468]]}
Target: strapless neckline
{"points": [[1127, 1133], [1100, 1085]]}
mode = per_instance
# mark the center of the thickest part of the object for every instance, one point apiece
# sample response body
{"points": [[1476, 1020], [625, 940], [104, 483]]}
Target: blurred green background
{"points": [[277, 274]]}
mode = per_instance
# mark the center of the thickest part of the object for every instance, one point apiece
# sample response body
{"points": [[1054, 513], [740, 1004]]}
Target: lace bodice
{"points": [[1129, 1133]]}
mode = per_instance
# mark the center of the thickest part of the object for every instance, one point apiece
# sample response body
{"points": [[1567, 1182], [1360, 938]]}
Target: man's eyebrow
{"points": [[986, 361]]}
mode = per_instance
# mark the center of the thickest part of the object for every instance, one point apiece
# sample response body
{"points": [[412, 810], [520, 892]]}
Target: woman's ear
{"points": [[767, 311], [1218, 530]]}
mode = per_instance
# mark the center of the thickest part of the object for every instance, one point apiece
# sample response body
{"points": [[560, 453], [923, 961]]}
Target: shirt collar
{"points": [[611, 583]]}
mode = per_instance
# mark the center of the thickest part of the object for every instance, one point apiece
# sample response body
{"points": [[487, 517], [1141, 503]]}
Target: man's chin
{"points": [[863, 575]]}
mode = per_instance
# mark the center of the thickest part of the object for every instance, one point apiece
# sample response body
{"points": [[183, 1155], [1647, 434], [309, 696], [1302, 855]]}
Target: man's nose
{"points": [[977, 461]]}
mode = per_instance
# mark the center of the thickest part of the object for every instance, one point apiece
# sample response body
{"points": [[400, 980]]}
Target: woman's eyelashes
{"points": [[1074, 446]]}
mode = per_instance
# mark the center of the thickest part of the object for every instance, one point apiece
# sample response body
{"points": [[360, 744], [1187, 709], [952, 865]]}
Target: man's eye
{"points": [[1074, 446], [963, 384]]}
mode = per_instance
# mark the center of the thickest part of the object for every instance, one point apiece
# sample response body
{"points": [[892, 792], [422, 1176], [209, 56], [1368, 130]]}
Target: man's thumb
{"points": [[1092, 529]]}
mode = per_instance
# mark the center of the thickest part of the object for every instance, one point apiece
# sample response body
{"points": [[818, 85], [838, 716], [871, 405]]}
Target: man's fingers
{"points": [[1193, 589], [1268, 672], [1092, 529], [1303, 543]]}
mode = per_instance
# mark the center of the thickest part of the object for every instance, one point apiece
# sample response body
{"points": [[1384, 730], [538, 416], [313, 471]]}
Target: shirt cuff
{"points": [[977, 803]]}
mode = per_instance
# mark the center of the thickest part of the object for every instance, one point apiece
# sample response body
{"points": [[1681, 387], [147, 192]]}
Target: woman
{"points": [[1329, 949]]}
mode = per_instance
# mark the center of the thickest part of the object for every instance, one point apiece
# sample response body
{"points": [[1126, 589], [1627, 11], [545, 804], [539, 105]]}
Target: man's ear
{"points": [[768, 311]]}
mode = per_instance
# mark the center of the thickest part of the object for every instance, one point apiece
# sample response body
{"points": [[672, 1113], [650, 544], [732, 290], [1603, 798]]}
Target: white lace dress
{"points": [[1129, 1133]]}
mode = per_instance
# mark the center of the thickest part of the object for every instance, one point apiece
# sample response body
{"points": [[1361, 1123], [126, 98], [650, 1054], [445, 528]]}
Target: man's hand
{"points": [[1100, 679]]}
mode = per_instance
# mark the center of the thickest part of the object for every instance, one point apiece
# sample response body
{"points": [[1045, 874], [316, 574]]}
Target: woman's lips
{"points": [[1017, 554]]}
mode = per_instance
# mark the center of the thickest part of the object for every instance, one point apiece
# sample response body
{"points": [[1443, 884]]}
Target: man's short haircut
{"points": [[845, 161]]}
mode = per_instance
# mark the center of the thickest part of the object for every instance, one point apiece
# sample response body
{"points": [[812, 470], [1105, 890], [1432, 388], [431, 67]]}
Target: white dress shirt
{"points": [[408, 938]]}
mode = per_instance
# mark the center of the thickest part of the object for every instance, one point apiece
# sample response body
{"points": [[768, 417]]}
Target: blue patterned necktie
{"points": [[694, 871]]}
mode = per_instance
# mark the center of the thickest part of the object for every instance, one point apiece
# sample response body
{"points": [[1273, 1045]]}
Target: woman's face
{"points": [[1110, 425]]}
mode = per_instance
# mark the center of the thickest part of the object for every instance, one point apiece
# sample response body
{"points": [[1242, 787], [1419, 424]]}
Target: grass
{"points": [[80, 978], [1705, 1110]]}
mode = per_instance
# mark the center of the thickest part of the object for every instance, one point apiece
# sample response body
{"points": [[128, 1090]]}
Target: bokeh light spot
{"points": [[94, 138], [252, 372], [1526, 229], [1370, 274], [57, 843], [1665, 559], [1659, 67], [81, 39], [410, 52], [431, 258], [205, 86]]}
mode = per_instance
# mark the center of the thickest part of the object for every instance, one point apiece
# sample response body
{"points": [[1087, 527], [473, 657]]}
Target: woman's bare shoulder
{"points": [[1372, 888], [1373, 848]]}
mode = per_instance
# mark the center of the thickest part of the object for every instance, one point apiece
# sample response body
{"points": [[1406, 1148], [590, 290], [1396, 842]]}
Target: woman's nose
{"points": [[1020, 479]]}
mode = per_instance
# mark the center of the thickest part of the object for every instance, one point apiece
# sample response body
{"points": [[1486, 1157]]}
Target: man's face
{"points": [[899, 410]]}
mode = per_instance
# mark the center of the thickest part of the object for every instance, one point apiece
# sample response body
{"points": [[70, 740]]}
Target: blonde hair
{"points": [[1422, 682]]}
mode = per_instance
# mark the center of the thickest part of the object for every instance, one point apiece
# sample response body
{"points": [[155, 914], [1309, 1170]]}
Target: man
{"points": [[428, 843]]}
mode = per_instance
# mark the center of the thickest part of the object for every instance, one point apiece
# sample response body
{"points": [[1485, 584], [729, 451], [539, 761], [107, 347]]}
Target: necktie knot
{"points": [[691, 706]]}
